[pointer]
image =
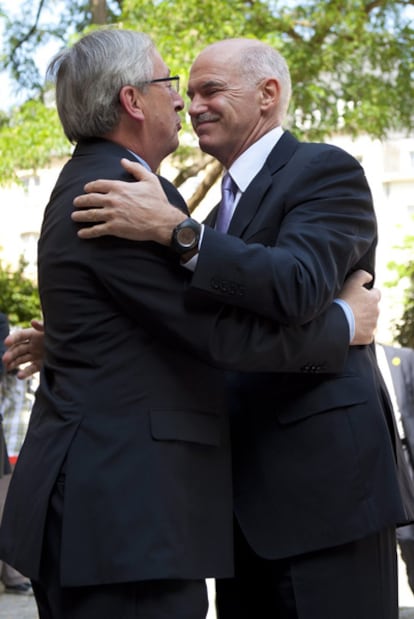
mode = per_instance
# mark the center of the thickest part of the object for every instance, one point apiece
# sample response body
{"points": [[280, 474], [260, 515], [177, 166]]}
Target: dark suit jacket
{"points": [[313, 455], [136, 421]]}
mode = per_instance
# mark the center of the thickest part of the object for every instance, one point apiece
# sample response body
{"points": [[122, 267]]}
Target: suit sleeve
{"points": [[314, 226], [147, 282], [143, 288]]}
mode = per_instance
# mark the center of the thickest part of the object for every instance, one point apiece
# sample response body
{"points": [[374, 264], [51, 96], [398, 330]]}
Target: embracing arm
{"points": [[320, 346], [113, 204], [313, 224], [274, 349], [325, 339], [321, 233]]}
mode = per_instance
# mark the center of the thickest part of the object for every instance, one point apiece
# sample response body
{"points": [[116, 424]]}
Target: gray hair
{"points": [[259, 61], [90, 75]]}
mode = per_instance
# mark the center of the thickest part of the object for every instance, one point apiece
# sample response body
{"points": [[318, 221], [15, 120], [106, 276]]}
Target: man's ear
{"points": [[130, 99], [270, 92]]}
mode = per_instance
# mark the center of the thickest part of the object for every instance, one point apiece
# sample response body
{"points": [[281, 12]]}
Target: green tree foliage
{"points": [[356, 53], [18, 295], [30, 137], [403, 270], [404, 328], [39, 24], [351, 62]]}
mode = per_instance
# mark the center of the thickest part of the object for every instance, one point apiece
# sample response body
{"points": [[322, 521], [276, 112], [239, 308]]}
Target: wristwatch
{"points": [[186, 236]]}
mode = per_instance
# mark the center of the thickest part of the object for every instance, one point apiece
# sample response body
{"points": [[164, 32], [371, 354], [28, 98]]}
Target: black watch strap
{"points": [[186, 236]]}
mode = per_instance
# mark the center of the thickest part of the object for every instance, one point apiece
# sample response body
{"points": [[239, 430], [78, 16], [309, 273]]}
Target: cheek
{"points": [[232, 118]]}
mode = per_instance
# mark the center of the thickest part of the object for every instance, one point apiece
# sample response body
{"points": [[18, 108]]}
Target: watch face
{"points": [[186, 237]]}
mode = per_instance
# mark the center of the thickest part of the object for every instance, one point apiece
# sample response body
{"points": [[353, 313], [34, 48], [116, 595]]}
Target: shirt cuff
{"points": [[192, 263], [349, 314]]}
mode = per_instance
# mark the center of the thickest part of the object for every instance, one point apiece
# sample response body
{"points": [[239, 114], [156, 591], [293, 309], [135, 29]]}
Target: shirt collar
{"points": [[245, 168], [140, 159]]}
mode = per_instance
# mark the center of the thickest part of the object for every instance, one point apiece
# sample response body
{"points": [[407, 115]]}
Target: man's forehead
{"points": [[159, 62], [210, 68], [205, 81]]}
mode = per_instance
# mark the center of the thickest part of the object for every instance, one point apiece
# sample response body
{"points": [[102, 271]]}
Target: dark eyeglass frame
{"points": [[172, 78]]}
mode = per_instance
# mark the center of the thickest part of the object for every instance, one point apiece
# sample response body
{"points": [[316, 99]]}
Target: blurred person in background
{"points": [[13, 581], [397, 367]]}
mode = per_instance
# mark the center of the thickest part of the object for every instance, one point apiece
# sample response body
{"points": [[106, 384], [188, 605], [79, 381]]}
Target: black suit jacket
{"points": [[130, 404], [313, 455]]}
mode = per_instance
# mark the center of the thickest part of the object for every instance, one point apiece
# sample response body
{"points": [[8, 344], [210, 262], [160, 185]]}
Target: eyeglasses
{"points": [[173, 82]]}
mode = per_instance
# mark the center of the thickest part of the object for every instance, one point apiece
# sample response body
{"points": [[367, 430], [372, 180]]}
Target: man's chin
{"points": [[206, 144]]}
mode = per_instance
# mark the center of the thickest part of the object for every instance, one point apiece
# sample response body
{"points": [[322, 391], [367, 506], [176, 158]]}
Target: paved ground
{"points": [[17, 607], [24, 607]]}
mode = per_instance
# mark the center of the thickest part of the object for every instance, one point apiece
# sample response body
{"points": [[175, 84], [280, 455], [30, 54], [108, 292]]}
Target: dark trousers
{"points": [[356, 580], [405, 538], [168, 599]]}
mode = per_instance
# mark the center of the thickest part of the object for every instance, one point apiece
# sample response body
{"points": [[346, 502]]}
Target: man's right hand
{"points": [[135, 211], [25, 346], [364, 304]]}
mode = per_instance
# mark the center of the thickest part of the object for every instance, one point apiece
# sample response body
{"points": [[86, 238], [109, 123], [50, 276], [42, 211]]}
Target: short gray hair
{"points": [[90, 75], [259, 61]]}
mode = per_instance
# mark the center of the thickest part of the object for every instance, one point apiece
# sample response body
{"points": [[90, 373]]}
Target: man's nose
{"points": [[178, 101], [196, 106]]}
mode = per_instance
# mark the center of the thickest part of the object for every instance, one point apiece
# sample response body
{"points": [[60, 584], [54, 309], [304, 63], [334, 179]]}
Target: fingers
{"points": [[97, 193], [28, 371], [20, 336], [94, 199], [18, 350], [360, 278], [120, 208], [90, 215], [13, 359], [25, 346], [37, 325], [136, 169], [100, 217], [376, 294], [94, 231]]}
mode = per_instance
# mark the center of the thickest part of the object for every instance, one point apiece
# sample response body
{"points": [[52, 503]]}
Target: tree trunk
{"points": [[99, 12]]}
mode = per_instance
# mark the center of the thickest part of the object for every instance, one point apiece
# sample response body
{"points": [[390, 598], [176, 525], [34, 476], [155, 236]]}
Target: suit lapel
{"points": [[254, 196], [250, 202]]}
